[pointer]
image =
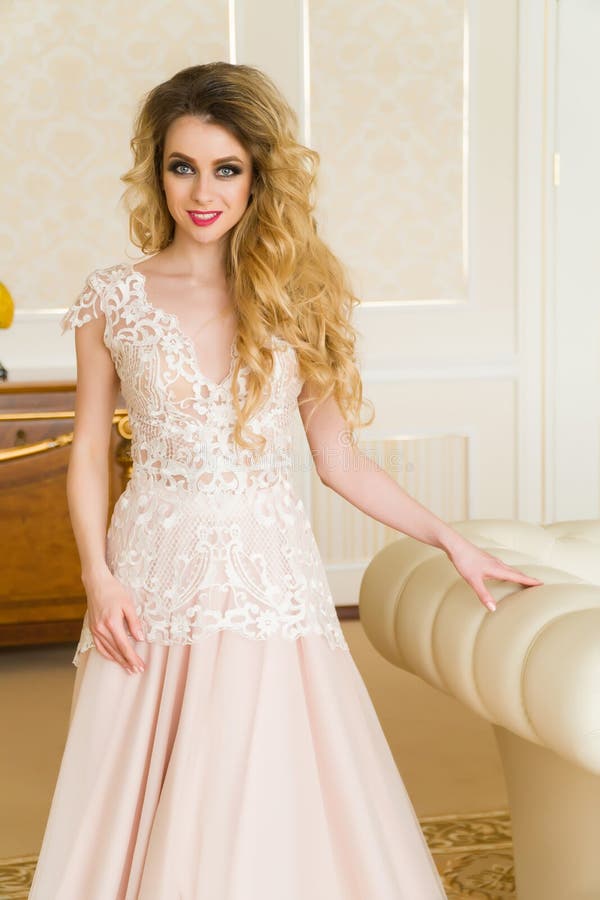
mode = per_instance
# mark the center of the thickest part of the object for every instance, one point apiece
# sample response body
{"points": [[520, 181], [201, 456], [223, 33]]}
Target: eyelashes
{"points": [[175, 165]]}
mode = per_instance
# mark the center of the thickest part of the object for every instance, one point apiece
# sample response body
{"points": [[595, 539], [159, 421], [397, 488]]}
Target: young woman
{"points": [[222, 744]]}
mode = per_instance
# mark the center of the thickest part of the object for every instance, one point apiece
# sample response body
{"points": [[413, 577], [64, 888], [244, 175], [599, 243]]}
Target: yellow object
{"points": [[7, 307]]}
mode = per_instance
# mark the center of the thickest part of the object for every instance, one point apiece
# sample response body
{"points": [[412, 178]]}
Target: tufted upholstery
{"points": [[531, 668]]}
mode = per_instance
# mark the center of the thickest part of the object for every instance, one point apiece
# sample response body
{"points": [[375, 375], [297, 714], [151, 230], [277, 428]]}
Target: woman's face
{"points": [[205, 170]]}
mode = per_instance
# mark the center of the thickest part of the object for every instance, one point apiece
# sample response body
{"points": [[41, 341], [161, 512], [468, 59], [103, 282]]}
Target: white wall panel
{"points": [[388, 116], [575, 349], [269, 35]]}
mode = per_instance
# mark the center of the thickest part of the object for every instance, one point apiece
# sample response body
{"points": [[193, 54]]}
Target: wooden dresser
{"points": [[42, 599]]}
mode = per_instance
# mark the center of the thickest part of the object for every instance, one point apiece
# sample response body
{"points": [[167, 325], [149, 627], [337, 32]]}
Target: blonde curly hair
{"points": [[283, 277]]}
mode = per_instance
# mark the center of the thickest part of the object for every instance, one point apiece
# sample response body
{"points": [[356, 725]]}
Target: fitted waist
{"points": [[199, 484]]}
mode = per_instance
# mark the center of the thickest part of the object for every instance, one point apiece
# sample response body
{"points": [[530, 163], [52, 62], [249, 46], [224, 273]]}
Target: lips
{"points": [[203, 217]]}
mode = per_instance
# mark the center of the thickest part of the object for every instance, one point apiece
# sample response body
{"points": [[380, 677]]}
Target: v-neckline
{"points": [[174, 318]]}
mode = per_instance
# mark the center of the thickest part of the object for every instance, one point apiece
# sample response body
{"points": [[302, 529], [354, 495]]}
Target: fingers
{"points": [[132, 660], [488, 600], [483, 594], [530, 580], [133, 623], [105, 649], [113, 643], [507, 574], [502, 572]]}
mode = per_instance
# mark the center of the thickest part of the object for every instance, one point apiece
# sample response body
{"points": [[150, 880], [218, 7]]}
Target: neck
{"points": [[203, 263]]}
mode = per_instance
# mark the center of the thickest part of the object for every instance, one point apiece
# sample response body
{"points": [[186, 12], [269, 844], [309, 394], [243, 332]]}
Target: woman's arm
{"points": [[87, 475], [87, 495], [357, 478]]}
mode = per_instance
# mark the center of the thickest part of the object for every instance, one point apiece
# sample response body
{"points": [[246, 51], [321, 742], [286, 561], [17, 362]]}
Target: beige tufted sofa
{"points": [[531, 668]]}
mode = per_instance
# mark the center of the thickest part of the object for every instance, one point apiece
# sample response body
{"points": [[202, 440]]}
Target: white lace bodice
{"points": [[206, 535]]}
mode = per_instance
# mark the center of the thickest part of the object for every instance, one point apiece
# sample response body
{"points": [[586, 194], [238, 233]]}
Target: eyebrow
{"points": [[191, 159]]}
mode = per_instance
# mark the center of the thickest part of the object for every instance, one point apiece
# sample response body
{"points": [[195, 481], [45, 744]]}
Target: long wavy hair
{"points": [[283, 278]]}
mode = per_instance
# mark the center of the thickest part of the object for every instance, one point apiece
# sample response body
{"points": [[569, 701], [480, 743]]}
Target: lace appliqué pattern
{"points": [[206, 535]]}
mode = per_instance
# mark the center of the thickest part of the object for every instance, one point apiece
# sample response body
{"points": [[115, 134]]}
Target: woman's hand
{"points": [[475, 564], [109, 603]]}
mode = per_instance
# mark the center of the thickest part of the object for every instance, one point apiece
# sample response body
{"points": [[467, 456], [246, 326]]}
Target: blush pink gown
{"points": [[247, 761]]}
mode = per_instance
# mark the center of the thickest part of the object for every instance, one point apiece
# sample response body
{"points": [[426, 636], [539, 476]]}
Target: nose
{"points": [[201, 189]]}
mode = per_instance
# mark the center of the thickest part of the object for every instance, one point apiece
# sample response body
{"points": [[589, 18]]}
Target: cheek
{"points": [[242, 190], [169, 192], [172, 187]]}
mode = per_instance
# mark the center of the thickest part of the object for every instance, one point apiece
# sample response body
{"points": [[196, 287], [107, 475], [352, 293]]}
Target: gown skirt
{"points": [[230, 769]]}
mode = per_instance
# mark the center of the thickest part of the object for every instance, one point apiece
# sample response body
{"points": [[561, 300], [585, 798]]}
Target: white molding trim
{"points": [[39, 314], [466, 137], [548, 262], [415, 304], [304, 32], [232, 27], [535, 501], [432, 371]]}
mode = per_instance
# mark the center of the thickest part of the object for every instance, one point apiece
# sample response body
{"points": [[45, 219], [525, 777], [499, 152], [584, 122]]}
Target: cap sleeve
{"points": [[87, 306]]}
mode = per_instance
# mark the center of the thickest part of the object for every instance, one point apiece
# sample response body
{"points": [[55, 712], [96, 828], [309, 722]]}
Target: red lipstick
{"points": [[203, 218]]}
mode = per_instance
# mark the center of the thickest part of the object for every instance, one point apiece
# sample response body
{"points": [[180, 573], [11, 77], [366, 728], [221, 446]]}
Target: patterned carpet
{"points": [[472, 853]]}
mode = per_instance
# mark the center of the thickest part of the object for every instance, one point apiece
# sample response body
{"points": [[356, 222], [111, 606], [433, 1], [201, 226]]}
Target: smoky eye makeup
{"points": [[175, 164]]}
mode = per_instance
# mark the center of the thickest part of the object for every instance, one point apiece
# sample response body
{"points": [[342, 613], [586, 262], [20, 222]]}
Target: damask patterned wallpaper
{"points": [[72, 75], [387, 86]]}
